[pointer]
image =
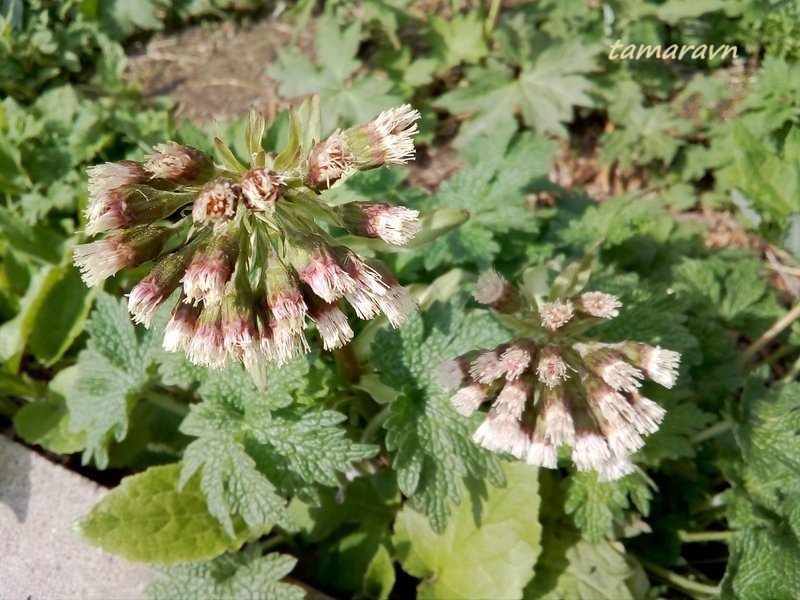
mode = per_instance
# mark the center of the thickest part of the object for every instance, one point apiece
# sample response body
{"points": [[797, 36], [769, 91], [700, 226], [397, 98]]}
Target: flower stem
{"points": [[347, 363], [167, 402], [771, 333], [705, 536], [679, 582], [374, 425], [491, 19], [715, 430]]}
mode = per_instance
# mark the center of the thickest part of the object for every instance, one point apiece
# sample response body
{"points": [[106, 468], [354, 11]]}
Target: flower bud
{"points": [[319, 268], [211, 269], [386, 139], [331, 322], [164, 278], [494, 290], [131, 205], [179, 164], [393, 224], [599, 304], [102, 259], [328, 162], [556, 314], [217, 203], [110, 176], [260, 190]]}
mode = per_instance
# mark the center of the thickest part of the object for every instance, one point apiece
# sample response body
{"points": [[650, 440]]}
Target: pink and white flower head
{"points": [[600, 304], [556, 314], [516, 360], [329, 161], [393, 224], [394, 130], [207, 346], [237, 333], [164, 278], [487, 367], [288, 342], [332, 325], [109, 176], [467, 400], [206, 277], [251, 246], [100, 260], [180, 328], [658, 364], [542, 453], [501, 432], [555, 386], [552, 368], [217, 203], [178, 163], [324, 275], [261, 189]]}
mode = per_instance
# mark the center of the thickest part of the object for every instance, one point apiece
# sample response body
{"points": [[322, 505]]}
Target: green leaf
{"points": [[14, 333], [112, 372], [54, 331], [571, 567], [147, 519], [253, 455], [763, 560], [379, 577], [762, 503], [457, 39], [232, 485], [300, 451], [771, 183], [34, 240], [492, 188], [247, 575], [543, 88], [431, 444], [487, 549], [597, 506], [45, 422], [347, 96]]}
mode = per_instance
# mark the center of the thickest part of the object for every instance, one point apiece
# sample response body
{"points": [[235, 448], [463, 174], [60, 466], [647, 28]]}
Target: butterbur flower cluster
{"points": [[553, 387], [252, 250]]}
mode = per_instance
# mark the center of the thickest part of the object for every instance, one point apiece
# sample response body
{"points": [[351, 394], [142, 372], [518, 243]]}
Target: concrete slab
{"points": [[40, 557]]}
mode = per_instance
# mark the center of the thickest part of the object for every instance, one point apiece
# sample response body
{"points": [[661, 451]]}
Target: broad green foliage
{"points": [[430, 444], [535, 77], [348, 97], [763, 500], [350, 475], [500, 169], [146, 518], [597, 506], [487, 549], [250, 456], [248, 575], [112, 371]]}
